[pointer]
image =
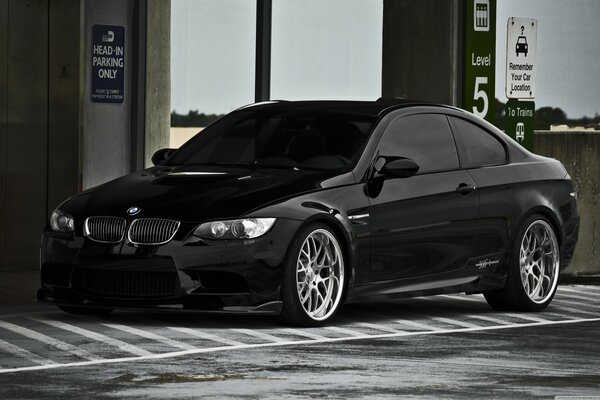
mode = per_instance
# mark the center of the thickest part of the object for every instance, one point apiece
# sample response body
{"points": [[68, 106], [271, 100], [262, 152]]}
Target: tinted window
{"points": [[425, 138], [476, 147], [308, 139]]}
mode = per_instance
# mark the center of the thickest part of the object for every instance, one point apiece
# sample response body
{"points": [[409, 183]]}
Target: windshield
{"points": [[303, 139]]}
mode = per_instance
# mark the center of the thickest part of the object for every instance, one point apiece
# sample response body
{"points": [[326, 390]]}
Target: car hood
{"points": [[197, 194]]}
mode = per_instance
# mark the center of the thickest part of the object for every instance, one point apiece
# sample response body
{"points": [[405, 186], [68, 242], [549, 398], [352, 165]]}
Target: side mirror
{"points": [[400, 168], [161, 155]]}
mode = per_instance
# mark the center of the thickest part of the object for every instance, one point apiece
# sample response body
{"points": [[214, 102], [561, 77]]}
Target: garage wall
{"points": [[26, 131], [3, 125], [580, 154]]}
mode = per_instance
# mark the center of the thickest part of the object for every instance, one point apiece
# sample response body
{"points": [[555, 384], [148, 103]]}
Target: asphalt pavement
{"points": [[447, 346]]}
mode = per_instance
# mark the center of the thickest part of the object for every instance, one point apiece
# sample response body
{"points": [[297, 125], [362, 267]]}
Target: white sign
{"points": [[521, 48]]}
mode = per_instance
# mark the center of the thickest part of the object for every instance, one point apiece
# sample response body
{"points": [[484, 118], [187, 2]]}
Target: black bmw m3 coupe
{"points": [[294, 208]]}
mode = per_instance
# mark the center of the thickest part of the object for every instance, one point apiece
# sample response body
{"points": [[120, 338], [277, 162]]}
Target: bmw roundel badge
{"points": [[133, 211]]}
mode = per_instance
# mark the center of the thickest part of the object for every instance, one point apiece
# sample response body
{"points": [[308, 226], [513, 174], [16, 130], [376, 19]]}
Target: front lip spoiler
{"points": [[269, 308]]}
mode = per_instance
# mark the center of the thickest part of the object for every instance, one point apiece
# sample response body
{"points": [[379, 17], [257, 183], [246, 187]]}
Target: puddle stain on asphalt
{"points": [[174, 378], [565, 381]]}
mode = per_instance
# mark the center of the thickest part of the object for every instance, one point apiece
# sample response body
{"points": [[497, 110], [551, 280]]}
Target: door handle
{"points": [[465, 188]]}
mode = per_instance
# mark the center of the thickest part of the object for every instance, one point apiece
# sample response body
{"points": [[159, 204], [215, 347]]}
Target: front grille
{"points": [[131, 284], [152, 231], [105, 229]]}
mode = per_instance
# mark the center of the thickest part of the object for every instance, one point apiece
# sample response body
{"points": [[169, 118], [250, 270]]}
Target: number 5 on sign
{"points": [[479, 93]]}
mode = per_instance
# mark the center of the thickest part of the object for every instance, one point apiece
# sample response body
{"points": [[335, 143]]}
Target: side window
{"points": [[476, 147], [425, 138]]}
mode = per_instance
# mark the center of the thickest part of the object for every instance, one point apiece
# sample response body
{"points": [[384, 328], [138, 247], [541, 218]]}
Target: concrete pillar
{"points": [[106, 126], [421, 50], [158, 77]]}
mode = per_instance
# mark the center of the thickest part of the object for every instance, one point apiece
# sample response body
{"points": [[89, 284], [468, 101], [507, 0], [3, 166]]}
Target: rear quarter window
{"points": [[476, 146]]}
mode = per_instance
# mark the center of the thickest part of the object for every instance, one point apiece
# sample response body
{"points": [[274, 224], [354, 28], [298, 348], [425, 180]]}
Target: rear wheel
{"points": [[314, 278], [533, 272]]}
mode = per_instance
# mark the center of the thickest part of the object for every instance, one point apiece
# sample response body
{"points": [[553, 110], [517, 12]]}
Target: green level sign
{"points": [[479, 80], [520, 122]]}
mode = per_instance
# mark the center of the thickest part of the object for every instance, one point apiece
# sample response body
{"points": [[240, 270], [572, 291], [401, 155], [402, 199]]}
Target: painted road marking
{"points": [[579, 303], [259, 335], [151, 336], [465, 297], [205, 335], [378, 327], [345, 331], [301, 333], [455, 322], [416, 324], [289, 343], [351, 327], [40, 337], [584, 291], [576, 310], [22, 353], [527, 317], [126, 347], [490, 319], [579, 297]]}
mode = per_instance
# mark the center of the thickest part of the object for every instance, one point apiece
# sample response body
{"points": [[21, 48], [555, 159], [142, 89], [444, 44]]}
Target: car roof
{"points": [[359, 107]]}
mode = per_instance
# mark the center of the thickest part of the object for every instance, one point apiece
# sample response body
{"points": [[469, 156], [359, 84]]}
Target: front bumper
{"points": [[188, 273]]}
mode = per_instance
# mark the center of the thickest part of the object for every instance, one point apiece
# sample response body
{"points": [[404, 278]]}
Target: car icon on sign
{"points": [[521, 46]]}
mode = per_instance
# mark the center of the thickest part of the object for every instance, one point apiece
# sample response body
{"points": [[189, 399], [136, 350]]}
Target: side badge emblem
{"points": [[133, 211]]}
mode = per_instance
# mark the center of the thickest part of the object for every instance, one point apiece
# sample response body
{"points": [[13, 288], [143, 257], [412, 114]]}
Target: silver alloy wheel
{"points": [[539, 261], [320, 274]]}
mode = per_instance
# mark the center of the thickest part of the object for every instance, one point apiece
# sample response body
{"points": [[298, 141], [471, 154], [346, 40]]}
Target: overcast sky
{"points": [[332, 49]]}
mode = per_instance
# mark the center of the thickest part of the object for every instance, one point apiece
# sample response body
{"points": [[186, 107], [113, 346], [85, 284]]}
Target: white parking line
{"points": [[587, 291], [579, 297], [346, 331], [259, 335], [527, 317], [19, 352], [416, 324], [576, 310], [578, 303], [490, 319], [40, 337], [126, 347], [462, 297], [151, 336], [378, 327], [454, 322], [205, 335], [290, 343], [298, 332]]}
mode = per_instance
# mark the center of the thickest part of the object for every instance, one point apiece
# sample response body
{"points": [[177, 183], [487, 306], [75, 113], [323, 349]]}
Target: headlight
{"points": [[246, 228], [60, 221]]}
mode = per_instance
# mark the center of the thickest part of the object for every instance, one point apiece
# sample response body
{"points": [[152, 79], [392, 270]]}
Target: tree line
{"points": [[547, 116], [544, 118], [193, 119]]}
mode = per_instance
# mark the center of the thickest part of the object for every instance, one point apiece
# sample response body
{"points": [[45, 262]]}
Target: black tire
{"points": [[86, 311], [513, 296], [294, 312]]}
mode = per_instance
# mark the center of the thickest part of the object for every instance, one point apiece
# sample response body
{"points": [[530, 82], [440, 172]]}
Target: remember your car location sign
{"points": [[108, 63], [479, 76], [521, 46]]}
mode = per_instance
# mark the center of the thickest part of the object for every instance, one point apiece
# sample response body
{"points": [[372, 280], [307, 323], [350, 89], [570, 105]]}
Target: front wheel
{"points": [[314, 278], [533, 272]]}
